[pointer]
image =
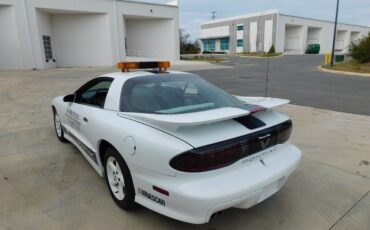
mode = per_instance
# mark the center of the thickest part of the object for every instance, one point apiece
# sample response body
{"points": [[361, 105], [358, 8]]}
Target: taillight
{"points": [[227, 152], [284, 132]]}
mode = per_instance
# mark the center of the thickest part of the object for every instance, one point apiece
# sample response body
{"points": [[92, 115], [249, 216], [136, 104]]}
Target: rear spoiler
{"points": [[174, 121], [266, 102]]}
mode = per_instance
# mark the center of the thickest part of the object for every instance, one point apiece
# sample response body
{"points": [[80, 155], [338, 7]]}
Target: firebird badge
{"points": [[265, 140]]}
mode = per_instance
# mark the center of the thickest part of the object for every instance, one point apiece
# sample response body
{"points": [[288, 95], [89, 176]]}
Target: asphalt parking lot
{"points": [[294, 77], [45, 184]]}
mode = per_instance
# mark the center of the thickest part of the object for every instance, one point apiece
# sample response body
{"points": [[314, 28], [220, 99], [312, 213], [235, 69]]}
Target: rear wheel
{"points": [[118, 179], [58, 127]]}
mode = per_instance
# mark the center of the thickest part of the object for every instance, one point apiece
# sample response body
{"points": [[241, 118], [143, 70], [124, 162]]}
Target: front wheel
{"points": [[58, 127], [118, 179]]}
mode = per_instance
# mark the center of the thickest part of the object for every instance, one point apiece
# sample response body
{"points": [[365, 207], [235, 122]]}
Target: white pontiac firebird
{"points": [[177, 144]]}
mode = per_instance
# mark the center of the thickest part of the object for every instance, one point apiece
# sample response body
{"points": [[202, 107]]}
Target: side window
{"points": [[94, 93]]}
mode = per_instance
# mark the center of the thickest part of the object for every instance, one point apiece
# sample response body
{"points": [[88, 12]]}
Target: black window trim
{"points": [[88, 85]]}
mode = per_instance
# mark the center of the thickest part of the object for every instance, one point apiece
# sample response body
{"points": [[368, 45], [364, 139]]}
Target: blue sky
{"points": [[193, 12]]}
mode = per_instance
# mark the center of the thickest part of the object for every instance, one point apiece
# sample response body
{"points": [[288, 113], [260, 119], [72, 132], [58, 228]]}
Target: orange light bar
{"points": [[164, 64], [126, 66]]}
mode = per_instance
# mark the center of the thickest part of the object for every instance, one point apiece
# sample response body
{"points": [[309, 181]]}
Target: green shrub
{"points": [[272, 50], [360, 49]]}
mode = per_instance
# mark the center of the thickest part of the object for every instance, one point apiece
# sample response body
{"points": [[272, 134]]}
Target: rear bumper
{"points": [[193, 198]]}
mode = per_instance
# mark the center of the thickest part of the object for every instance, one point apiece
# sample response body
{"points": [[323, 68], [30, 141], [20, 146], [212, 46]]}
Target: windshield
{"points": [[173, 94]]}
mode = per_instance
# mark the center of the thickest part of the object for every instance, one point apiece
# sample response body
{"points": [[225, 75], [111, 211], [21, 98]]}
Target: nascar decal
{"points": [[152, 197], [73, 119], [86, 149]]}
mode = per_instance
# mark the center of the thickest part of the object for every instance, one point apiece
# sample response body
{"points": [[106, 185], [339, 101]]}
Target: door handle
{"points": [[85, 119]]}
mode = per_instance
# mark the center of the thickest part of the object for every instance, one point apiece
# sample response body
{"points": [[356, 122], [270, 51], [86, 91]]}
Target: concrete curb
{"points": [[245, 56], [343, 72]]}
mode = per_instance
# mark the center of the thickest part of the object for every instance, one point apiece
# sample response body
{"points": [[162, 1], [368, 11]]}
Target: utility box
{"points": [[313, 49], [339, 58]]}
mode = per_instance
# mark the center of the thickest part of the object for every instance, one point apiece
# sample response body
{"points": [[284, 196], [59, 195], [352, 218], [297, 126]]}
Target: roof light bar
{"points": [[126, 66]]}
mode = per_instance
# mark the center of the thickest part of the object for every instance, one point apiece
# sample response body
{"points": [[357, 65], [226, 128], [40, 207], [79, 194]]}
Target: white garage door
{"points": [[268, 35], [292, 44], [10, 50], [253, 37]]}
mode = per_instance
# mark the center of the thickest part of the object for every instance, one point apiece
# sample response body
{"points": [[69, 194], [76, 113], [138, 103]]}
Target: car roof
{"points": [[114, 94], [128, 75]]}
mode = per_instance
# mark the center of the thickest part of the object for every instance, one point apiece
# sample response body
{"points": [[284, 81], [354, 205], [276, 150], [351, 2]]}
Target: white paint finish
{"points": [[266, 102], [253, 37], [193, 196], [10, 50], [222, 31], [173, 3], [45, 28], [293, 38], [148, 37], [240, 34], [30, 24], [163, 13], [297, 43], [251, 15], [188, 119], [218, 45], [341, 42], [239, 49], [313, 35], [195, 199], [268, 35], [354, 36], [129, 146], [77, 42], [309, 35], [194, 130]]}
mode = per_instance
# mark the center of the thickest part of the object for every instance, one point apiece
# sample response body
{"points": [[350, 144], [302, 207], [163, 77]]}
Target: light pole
{"points": [[213, 15], [335, 35]]}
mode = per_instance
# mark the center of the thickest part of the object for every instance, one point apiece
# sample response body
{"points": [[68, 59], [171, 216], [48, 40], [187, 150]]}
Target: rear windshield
{"points": [[173, 94]]}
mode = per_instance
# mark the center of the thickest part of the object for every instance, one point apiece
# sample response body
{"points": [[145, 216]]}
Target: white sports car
{"points": [[177, 144]]}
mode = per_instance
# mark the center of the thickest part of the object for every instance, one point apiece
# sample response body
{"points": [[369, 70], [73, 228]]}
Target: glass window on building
{"points": [[240, 27], [224, 43], [209, 45], [240, 43], [47, 48]]}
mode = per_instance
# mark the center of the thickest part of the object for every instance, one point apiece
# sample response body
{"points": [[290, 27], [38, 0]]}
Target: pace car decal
{"points": [[73, 119], [259, 156], [86, 149], [152, 197]]}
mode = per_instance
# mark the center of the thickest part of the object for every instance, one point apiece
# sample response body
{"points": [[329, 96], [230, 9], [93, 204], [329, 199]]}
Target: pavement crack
{"points": [[354, 205]]}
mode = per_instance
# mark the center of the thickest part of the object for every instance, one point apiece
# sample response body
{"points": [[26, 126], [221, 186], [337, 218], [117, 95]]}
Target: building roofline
{"points": [[214, 37], [150, 3], [265, 12], [322, 20], [274, 11]]}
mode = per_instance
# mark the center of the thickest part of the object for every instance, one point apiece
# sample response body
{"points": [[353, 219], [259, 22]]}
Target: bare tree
{"points": [[187, 46]]}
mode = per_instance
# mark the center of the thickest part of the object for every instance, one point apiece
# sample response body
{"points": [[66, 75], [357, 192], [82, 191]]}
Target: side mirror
{"points": [[69, 98]]}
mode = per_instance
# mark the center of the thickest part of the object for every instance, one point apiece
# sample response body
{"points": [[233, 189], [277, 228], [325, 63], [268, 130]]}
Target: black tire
{"points": [[128, 201], [60, 135]]}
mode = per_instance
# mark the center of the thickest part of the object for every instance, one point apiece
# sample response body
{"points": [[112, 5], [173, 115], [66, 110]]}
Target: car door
{"points": [[90, 98]]}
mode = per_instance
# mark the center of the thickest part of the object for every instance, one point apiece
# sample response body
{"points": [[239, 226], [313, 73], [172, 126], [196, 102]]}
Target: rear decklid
{"points": [[175, 121], [211, 126]]}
